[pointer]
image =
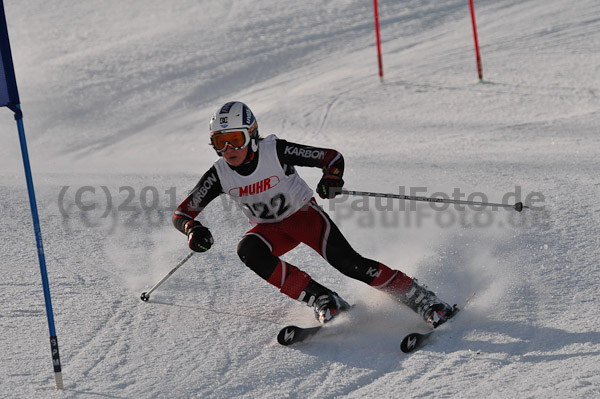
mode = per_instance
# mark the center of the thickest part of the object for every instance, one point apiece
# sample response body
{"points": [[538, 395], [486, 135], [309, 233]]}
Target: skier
{"points": [[259, 175]]}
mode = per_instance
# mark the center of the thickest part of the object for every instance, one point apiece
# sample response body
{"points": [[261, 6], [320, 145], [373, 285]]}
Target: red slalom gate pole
{"points": [[378, 40], [479, 67]]}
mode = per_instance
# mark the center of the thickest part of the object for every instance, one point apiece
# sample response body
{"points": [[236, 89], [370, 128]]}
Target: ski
{"points": [[414, 341], [292, 334]]}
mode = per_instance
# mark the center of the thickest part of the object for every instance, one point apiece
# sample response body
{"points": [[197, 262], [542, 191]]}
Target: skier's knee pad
{"points": [[257, 256]]}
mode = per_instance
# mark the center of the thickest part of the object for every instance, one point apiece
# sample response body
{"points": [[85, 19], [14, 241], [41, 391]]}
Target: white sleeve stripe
{"points": [[179, 213], [334, 160]]}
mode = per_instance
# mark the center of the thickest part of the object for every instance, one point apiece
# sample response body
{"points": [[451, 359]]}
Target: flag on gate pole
{"points": [[9, 97]]}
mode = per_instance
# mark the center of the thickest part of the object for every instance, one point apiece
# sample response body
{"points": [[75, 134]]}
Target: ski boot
{"points": [[424, 302], [326, 303], [329, 305]]}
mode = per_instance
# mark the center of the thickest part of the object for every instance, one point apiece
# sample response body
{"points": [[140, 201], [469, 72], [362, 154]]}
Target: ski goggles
{"points": [[237, 139]]}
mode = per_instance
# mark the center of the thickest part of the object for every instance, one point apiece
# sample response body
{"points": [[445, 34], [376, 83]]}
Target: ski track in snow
{"points": [[117, 99]]}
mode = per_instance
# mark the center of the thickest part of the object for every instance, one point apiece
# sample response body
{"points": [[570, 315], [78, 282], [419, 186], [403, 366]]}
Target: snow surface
{"points": [[117, 97]]}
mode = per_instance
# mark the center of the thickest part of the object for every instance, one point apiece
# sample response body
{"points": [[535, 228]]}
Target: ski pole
{"points": [[146, 295], [517, 207]]}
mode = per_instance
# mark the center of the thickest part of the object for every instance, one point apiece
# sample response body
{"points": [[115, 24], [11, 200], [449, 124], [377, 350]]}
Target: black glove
{"points": [[331, 183], [199, 237]]}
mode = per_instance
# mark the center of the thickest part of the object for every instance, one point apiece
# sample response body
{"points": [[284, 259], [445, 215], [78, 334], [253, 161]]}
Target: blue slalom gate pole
{"points": [[9, 97], [40, 251]]}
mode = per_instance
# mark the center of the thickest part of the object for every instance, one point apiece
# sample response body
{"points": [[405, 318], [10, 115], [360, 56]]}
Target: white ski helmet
{"points": [[234, 116]]}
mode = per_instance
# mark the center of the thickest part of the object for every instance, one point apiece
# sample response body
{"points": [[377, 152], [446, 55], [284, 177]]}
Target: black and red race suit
{"points": [[261, 247]]}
